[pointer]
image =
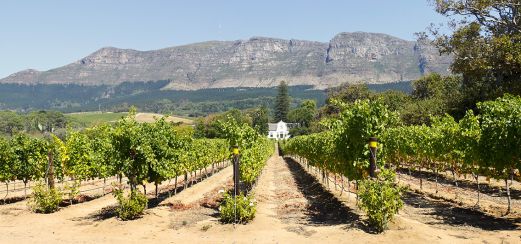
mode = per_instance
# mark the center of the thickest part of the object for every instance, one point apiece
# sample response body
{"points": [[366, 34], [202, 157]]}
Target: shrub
{"points": [[45, 200], [245, 209], [72, 190], [132, 206], [380, 199]]}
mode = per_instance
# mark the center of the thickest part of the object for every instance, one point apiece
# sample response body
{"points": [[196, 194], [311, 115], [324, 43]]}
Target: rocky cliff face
{"points": [[257, 62]]}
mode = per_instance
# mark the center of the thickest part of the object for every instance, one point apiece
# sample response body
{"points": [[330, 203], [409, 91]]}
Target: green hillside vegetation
{"points": [[92, 118], [148, 97]]}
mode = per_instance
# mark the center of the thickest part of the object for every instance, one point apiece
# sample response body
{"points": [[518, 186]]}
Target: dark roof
{"points": [[272, 126]]}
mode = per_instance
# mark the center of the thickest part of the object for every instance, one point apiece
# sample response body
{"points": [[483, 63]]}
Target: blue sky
{"points": [[47, 34]]}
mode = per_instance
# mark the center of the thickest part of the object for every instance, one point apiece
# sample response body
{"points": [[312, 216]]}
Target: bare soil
{"points": [[292, 206], [493, 198], [151, 117]]}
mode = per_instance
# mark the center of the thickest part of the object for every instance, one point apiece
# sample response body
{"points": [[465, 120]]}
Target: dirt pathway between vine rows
{"points": [[465, 194], [94, 221], [430, 220], [292, 206]]}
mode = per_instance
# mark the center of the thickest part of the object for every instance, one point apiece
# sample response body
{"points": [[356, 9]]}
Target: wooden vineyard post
{"points": [[236, 175], [185, 180], [50, 175], [373, 145]]}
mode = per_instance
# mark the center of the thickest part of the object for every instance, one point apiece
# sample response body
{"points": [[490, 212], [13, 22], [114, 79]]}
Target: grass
{"points": [[92, 118]]}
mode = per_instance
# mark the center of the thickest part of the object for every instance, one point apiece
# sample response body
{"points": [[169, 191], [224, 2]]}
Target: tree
{"points": [[485, 44], [394, 99], [419, 112], [430, 86], [10, 122], [46, 121], [200, 128], [282, 102], [260, 119], [433, 95], [208, 127], [347, 93], [303, 115]]}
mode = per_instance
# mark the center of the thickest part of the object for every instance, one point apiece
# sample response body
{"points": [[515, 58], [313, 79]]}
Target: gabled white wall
{"points": [[282, 131]]}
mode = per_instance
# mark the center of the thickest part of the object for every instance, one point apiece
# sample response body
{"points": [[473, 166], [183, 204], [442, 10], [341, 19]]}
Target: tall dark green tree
{"points": [[282, 102]]}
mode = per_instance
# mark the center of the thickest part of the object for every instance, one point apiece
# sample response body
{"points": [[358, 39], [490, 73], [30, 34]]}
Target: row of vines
{"points": [[255, 149], [486, 144], [140, 152]]}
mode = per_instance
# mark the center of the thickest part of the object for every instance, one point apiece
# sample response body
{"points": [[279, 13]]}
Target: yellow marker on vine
{"points": [[373, 144]]}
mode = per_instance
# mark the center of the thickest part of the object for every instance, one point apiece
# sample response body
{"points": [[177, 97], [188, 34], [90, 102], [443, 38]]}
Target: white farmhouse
{"points": [[279, 130]]}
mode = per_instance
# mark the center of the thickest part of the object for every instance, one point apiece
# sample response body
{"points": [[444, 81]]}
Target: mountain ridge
{"points": [[256, 62]]}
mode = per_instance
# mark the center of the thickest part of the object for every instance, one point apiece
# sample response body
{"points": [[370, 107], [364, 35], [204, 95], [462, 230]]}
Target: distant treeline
{"points": [[404, 86], [36, 122], [148, 96]]}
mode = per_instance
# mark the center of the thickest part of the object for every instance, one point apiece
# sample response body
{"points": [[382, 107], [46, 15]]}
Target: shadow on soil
{"points": [[103, 214], [172, 190], [324, 208], [153, 201], [484, 187], [451, 214], [11, 200], [77, 200]]}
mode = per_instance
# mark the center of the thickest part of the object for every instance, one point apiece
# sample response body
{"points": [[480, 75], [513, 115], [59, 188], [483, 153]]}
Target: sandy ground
{"points": [[493, 198], [150, 117], [424, 219], [89, 188], [292, 207]]}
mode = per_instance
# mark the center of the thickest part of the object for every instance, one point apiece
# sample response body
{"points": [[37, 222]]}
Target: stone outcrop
{"points": [[257, 62]]}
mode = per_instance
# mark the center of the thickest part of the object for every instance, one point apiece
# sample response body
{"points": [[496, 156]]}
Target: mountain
{"points": [[257, 62]]}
